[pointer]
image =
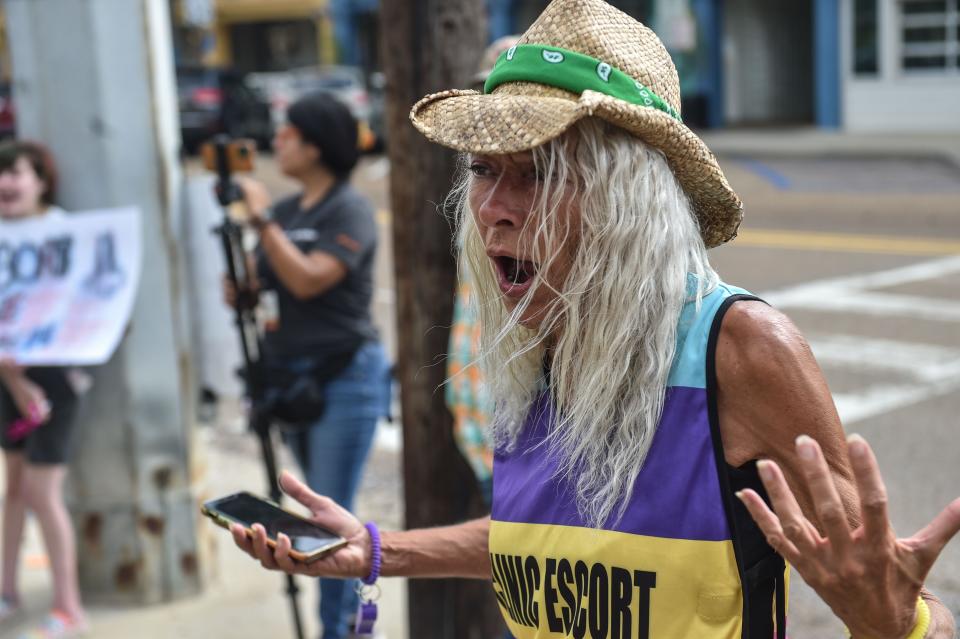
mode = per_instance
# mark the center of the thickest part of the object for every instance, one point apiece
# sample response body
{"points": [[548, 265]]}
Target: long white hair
{"points": [[609, 339]]}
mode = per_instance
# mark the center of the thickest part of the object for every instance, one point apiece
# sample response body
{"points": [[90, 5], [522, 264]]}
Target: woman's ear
{"points": [[315, 154]]}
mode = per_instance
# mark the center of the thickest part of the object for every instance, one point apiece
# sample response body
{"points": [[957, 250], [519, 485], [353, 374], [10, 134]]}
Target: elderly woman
{"points": [[646, 411]]}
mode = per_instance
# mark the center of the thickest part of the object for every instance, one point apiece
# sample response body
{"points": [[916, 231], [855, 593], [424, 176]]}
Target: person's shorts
{"points": [[52, 442]]}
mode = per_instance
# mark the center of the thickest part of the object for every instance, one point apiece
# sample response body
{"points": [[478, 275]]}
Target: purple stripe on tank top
{"points": [[676, 495]]}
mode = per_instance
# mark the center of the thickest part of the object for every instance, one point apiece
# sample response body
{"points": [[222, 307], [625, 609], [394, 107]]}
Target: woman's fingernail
{"points": [[739, 495], [806, 447], [765, 469], [857, 445]]}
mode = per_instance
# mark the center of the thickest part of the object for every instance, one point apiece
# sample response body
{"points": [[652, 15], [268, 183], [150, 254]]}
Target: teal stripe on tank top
{"points": [[689, 366]]}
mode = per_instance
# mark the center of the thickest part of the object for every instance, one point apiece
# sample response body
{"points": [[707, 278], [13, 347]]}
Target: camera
{"points": [[237, 155]]}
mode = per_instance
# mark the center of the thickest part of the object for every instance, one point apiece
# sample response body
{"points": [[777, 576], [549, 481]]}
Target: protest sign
{"points": [[67, 286]]}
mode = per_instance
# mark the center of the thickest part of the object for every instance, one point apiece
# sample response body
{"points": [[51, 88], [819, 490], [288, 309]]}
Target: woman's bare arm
{"points": [[831, 520], [449, 551]]}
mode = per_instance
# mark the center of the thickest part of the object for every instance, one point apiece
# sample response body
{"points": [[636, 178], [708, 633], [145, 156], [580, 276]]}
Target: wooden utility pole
{"points": [[430, 45]]}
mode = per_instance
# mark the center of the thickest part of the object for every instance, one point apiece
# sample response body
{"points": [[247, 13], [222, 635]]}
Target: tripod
{"points": [[260, 419]]}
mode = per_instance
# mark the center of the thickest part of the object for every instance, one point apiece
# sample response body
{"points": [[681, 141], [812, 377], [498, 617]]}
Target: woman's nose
{"points": [[502, 207]]}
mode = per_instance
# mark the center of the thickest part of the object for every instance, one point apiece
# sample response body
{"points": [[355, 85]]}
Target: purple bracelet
{"points": [[376, 558]]}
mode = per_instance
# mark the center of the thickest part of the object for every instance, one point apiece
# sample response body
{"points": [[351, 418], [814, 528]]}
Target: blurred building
{"points": [[253, 35], [900, 62], [858, 65], [356, 25]]}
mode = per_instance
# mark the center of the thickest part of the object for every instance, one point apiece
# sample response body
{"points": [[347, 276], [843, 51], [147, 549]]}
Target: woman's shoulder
{"points": [[349, 197], [756, 338]]}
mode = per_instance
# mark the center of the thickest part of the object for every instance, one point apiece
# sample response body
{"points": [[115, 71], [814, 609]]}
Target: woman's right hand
{"points": [[256, 197], [29, 398], [351, 560]]}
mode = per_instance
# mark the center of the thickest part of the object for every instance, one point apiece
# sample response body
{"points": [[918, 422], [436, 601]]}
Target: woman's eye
{"points": [[535, 175], [480, 170]]}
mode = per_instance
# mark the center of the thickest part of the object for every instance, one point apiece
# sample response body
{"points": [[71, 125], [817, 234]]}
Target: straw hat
{"points": [[585, 58]]}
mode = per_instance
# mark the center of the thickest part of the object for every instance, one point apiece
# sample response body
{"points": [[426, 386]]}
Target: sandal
{"points": [[57, 625]]}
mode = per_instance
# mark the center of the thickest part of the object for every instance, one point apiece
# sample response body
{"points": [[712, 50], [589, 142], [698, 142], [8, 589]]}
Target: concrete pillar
{"points": [[94, 79]]}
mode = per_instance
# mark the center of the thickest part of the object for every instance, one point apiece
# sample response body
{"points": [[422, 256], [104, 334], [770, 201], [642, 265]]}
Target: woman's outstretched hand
{"points": [[868, 577], [352, 560]]}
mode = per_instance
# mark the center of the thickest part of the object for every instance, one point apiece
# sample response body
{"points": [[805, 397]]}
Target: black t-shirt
{"points": [[343, 225]]}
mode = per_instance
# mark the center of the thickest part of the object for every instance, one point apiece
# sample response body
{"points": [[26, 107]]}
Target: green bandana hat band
{"points": [[571, 71]]}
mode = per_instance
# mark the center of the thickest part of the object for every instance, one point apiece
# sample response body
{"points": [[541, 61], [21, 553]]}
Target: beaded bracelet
{"points": [[369, 592], [376, 559]]}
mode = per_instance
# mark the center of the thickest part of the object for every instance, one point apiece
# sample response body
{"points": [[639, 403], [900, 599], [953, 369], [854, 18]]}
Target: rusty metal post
{"points": [[94, 79]]}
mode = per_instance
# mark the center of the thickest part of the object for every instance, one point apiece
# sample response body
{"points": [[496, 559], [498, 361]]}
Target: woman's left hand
{"points": [[868, 577]]}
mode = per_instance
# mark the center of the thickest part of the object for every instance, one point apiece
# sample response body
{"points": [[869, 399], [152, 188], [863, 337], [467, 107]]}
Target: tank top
{"points": [[685, 561]]}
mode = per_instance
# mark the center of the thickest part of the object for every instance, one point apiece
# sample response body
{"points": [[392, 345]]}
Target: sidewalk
{"points": [[240, 600], [813, 142]]}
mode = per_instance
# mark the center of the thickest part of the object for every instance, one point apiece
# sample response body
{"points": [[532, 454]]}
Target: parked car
{"points": [[216, 101], [282, 88], [279, 88], [8, 127]]}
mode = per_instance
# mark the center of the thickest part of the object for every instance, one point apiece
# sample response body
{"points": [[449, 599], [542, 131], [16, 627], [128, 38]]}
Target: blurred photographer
{"points": [[326, 372]]}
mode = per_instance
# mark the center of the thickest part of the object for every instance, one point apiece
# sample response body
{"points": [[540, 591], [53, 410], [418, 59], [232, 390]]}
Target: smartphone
{"points": [[239, 155], [309, 542]]}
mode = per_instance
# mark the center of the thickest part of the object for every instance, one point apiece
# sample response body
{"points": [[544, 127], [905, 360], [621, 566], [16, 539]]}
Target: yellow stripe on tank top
{"points": [[566, 581]]}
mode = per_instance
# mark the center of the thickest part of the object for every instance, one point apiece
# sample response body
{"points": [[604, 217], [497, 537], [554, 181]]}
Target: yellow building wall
{"points": [[222, 54], [233, 11], [261, 10]]}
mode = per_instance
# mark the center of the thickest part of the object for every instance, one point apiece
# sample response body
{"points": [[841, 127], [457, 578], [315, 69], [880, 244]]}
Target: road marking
{"points": [[845, 242], [851, 293], [880, 399], [882, 305], [927, 371], [767, 172]]}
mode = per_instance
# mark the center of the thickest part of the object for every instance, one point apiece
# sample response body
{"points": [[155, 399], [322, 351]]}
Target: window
{"points": [[930, 32], [865, 24]]}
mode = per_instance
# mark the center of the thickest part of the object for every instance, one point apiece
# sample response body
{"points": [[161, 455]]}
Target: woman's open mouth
{"points": [[514, 276]]}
